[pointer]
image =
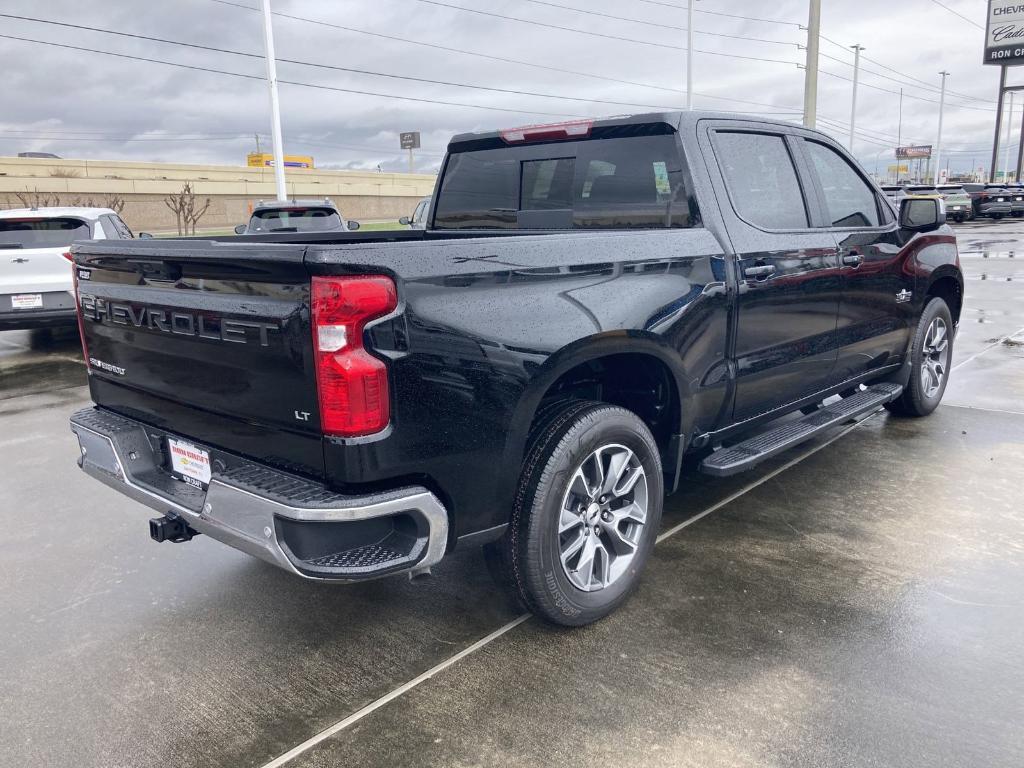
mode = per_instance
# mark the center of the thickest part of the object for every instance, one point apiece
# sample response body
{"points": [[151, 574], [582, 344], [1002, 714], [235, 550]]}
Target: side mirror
{"points": [[404, 221], [145, 236], [352, 225], [240, 229], [922, 214]]}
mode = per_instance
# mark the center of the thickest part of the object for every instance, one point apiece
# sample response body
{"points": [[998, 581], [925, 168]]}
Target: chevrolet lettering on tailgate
{"points": [[175, 321]]}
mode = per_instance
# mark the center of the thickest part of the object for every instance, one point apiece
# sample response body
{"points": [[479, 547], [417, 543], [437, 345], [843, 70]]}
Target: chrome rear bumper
{"points": [[294, 523]]}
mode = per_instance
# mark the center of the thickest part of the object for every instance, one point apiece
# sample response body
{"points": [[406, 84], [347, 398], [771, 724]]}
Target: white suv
{"points": [[36, 287]]}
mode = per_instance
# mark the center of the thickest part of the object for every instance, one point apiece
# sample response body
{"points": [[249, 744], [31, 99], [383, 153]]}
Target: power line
{"points": [[957, 13], [597, 34], [922, 83], [906, 95], [720, 13], [449, 49], [351, 70], [658, 24], [502, 59], [287, 82], [247, 54]]}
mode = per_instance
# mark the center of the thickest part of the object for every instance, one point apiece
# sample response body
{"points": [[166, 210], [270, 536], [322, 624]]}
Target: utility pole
{"points": [[275, 106], [689, 55], [811, 72], [257, 137], [856, 74], [1006, 149], [938, 140]]}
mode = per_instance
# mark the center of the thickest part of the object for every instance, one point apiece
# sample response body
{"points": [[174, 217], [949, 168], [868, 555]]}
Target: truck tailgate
{"points": [[207, 340]]}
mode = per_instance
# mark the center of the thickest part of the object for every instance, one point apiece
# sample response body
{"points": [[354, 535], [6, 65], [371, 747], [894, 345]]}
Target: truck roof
{"points": [[657, 122]]}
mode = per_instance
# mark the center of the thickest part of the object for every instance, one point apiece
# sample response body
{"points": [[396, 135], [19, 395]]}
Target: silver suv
{"points": [[296, 216]]}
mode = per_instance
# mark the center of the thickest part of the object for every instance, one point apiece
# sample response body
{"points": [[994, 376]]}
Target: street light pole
{"points": [[856, 74], [275, 106], [811, 71], [689, 55], [938, 140]]}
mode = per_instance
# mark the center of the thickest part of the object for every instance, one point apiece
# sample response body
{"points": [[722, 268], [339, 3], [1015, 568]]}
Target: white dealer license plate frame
{"points": [[189, 463]]}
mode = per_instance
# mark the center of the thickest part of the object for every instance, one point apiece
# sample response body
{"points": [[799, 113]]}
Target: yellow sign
{"points": [[265, 160], [899, 169]]}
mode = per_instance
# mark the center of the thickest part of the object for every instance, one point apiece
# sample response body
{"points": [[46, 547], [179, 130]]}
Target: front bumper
{"points": [[294, 523]]}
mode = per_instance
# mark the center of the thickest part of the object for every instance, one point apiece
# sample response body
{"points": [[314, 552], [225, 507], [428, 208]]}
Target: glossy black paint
{"points": [[490, 323]]}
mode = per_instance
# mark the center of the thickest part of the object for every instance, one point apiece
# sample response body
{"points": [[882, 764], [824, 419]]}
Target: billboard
{"points": [[920, 152], [409, 139], [1004, 33], [266, 160]]}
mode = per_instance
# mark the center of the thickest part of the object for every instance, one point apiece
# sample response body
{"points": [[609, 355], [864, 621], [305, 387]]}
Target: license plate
{"points": [[27, 301], [189, 463], [1000, 199], [956, 208]]}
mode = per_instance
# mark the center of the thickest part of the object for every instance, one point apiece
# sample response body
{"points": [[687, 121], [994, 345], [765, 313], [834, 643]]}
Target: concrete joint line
{"points": [[987, 349]]}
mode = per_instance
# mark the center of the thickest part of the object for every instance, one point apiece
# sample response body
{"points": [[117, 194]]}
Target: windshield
{"points": [[296, 220], [29, 232]]}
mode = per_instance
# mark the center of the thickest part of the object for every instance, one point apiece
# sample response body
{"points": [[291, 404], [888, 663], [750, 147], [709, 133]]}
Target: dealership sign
{"points": [[922, 152], [1004, 33]]}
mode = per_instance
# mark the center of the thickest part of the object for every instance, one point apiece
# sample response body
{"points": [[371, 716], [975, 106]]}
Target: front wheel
{"points": [[930, 357], [585, 516]]}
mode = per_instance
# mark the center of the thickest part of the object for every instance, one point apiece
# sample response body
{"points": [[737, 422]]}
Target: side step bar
{"points": [[749, 453]]}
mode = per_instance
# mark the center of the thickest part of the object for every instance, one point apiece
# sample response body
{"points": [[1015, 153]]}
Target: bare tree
{"points": [[37, 199], [114, 203], [65, 173], [186, 212]]}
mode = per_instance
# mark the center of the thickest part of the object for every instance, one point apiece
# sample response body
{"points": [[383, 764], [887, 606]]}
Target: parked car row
{"points": [[966, 202]]}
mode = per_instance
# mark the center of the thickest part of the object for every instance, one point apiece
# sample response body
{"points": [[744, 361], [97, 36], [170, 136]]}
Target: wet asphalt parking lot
{"points": [[857, 601]]}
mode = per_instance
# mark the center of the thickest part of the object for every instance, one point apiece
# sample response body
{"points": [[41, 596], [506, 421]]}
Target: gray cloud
{"points": [[50, 92]]}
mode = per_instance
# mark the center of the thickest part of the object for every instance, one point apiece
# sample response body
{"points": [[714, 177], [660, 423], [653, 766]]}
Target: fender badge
{"points": [[904, 296]]}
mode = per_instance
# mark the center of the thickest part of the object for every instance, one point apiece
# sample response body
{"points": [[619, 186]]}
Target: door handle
{"points": [[760, 272], [853, 259]]}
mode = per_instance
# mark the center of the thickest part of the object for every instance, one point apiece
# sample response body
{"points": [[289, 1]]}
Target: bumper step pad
{"points": [[751, 452]]}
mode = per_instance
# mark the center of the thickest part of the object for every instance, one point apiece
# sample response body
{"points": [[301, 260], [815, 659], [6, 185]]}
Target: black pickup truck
{"points": [[590, 302]]}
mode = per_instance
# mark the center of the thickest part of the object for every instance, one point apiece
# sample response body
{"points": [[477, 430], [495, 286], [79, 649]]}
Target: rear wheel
{"points": [[585, 515], [931, 353]]}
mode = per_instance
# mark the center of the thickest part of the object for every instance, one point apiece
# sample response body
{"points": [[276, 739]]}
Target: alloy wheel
{"points": [[934, 357], [602, 517]]}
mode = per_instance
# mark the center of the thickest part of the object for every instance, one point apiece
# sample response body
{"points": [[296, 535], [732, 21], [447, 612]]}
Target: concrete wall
{"points": [[231, 189]]}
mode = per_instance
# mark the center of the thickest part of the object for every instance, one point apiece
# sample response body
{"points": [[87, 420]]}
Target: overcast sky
{"points": [[55, 98]]}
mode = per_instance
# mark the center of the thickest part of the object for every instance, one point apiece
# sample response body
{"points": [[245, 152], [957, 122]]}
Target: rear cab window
{"points": [[628, 182], [35, 232]]}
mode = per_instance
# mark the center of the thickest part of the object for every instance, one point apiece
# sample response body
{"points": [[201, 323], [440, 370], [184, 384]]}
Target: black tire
{"points": [[915, 400], [528, 557]]}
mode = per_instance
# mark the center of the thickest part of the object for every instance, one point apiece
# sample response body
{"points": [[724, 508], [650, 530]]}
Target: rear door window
{"points": [[33, 232], [761, 179], [614, 183]]}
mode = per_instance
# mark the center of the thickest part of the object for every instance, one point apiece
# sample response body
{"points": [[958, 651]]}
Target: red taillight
{"points": [[352, 383], [574, 129], [78, 313], [69, 256]]}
